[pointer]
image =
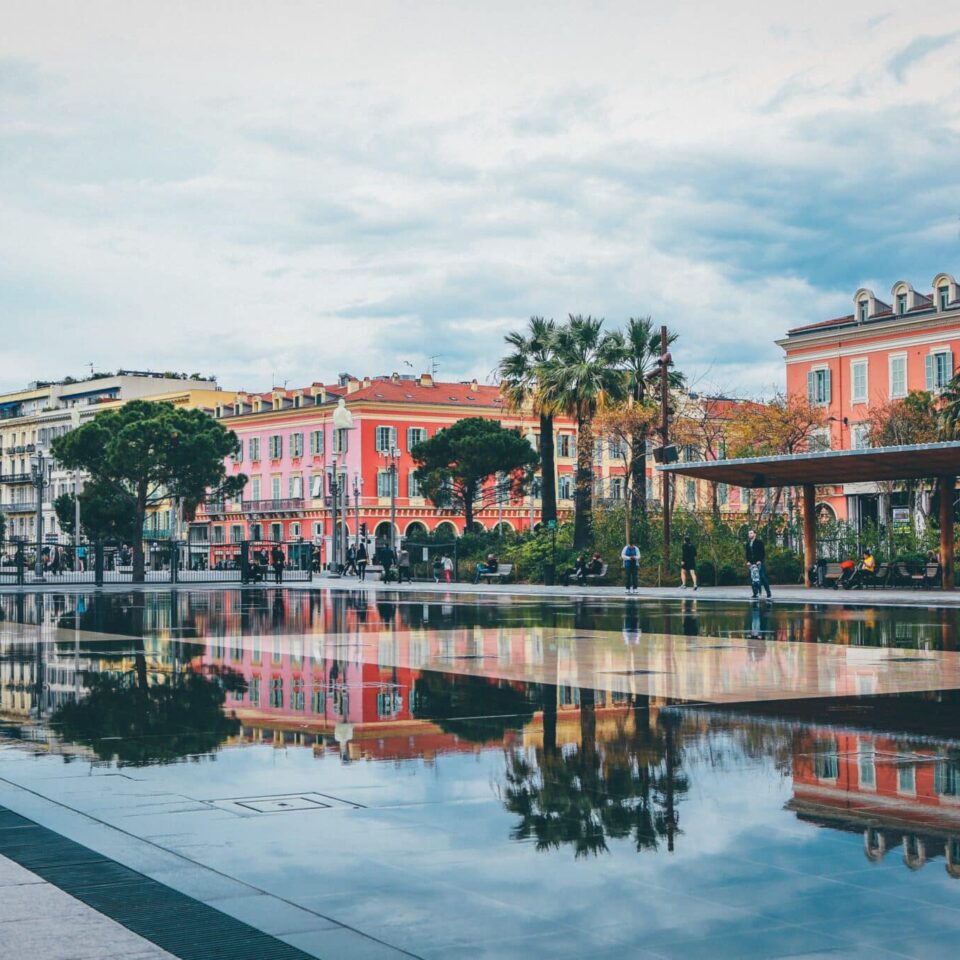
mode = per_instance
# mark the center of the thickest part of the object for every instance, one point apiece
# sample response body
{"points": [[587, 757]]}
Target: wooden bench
{"points": [[503, 570], [598, 576]]}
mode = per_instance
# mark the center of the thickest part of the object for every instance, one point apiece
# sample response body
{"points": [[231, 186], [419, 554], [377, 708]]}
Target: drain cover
{"points": [[632, 673], [285, 803]]}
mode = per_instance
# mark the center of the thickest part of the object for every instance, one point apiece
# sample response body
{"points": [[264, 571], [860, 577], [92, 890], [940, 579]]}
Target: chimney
{"points": [[367, 382], [474, 385], [394, 377], [353, 385], [426, 380]]}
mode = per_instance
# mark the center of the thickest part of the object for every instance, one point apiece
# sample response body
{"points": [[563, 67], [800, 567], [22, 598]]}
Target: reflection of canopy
{"points": [[809, 470]]}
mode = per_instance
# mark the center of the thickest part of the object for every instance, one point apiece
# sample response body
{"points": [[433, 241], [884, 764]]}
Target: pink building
{"points": [[878, 353]]}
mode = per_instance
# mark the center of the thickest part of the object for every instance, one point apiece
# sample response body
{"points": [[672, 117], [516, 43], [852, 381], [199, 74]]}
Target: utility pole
{"points": [[334, 496], [356, 510], [665, 431], [38, 482], [394, 453]]}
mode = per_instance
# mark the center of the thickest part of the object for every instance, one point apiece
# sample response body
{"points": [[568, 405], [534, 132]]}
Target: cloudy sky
{"points": [[277, 191]]}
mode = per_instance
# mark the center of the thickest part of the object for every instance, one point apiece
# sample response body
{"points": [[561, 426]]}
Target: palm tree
{"points": [[643, 351], [520, 372], [584, 372]]}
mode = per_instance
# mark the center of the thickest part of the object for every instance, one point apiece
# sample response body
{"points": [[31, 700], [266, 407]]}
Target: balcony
{"points": [[291, 505], [26, 507], [16, 478]]}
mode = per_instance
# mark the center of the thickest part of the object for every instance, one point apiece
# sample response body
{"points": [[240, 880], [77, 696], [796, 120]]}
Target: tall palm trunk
{"points": [[583, 505], [138, 560], [548, 479], [638, 475]]}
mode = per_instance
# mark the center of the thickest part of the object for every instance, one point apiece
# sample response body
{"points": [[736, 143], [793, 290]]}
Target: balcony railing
{"points": [[273, 506], [16, 478], [23, 507]]}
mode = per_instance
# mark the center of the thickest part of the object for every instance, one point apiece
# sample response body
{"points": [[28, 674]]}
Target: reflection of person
{"points": [[756, 554], [277, 560], [688, 563], [691, 626], [630, 555]]}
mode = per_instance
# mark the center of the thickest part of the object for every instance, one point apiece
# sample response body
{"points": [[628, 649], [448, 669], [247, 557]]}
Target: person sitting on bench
{"points": [[579, 571], [595, 566], [490, 565]]}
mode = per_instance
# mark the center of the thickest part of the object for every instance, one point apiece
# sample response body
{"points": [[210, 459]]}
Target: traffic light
{"points": [[363, 530]]}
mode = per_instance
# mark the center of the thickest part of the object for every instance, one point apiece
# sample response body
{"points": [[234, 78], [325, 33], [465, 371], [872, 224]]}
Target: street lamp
{"points": [[391, 454], [342, 420], [357, 487], [38, 466]]}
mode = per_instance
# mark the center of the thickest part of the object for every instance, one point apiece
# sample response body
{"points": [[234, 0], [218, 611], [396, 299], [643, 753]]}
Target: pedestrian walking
{"points": [[630, 555], [351, 565], [688, 562], [362, 562], [447, 568], [387, 560], [278, 561], [756, 555]]}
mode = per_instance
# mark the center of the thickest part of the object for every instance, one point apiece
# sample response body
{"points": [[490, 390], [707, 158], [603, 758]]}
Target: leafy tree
{"points": [[914, 419], [584, 373], [3, 527], [108, 512], [454, 465], [521, 372], [152, 451], [641, 362]]}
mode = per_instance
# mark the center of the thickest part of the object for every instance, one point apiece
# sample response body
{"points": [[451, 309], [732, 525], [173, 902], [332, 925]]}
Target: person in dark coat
{"points": [[756, 555], [278, 561], [688, 563]]}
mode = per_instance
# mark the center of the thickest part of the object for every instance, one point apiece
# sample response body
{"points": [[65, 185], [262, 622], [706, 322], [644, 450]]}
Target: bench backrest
{"points": [[504, 569], [832, 570]]}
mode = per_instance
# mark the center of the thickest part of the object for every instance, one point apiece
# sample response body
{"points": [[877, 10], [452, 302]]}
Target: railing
{"points": [[27, 507], [272, 506], [16, 478]]}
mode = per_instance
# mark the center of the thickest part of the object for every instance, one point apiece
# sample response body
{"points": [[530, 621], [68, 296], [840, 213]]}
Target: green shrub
{"points": [[729, 576]]}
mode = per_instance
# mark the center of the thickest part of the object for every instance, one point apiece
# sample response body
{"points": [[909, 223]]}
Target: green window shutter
{"points": [[929, 368], [827, 377], [811, 387]]}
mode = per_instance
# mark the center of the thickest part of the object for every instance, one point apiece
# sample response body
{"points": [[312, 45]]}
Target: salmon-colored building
{"points": [[879, 352]]}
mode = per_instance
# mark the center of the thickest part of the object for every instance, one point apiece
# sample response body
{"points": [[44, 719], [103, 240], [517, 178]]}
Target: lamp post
{"points": [[38, 463], [392, 453], [342, 421], [75, 422], [357, 485]]}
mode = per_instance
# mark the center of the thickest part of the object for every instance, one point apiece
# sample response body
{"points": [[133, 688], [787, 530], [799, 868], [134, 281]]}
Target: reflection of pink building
{"points": [[878, 353], [899, 794]]}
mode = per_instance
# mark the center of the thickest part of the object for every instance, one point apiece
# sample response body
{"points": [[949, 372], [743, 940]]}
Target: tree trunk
{"points": [[548, 473], [714, 501], [549, 695], [583, 506], [138, 571], [638, 475], [468, 497]]}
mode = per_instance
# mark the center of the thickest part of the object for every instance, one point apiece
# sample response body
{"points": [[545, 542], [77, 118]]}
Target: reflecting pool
{"points": [[377, 775]]}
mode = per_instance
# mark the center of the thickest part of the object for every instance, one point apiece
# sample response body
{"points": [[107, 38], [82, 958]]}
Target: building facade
{"points": [[878, 353], [31, 419]]}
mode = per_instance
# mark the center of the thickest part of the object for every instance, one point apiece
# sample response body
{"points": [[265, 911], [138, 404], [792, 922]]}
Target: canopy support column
{"points": [[809, 531], [947, 486]]}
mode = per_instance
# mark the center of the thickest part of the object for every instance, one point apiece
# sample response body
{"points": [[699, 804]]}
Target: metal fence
{"points": [[165, 561]]}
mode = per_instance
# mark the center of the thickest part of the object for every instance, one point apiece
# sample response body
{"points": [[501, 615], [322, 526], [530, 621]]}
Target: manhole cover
{"points": [[285, 803], [632, 673]]}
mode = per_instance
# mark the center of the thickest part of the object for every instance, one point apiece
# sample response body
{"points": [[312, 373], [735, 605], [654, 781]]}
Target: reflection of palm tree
{"points": [[625, 787]]}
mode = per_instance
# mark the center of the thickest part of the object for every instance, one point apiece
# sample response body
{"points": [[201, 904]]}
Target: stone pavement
{"points": [[38, 919]]}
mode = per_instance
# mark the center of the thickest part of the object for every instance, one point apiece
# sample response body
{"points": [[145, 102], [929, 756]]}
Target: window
{"points": [[946, 779], [565, 487], [868, 770], [939, 369], [256, 531], [386, 439], [413, 485], [276, 532], [415, 435], [295, 529], [296, 444], [860, 436], [943, 296], [316, 442], [898, 376], [276, 692], [384, 483], [253, 445], [597, 451], [723, 494], [616, 488], [316, 486], [253, 690], [858, 381], [317, 529], [295, 486], [236, 456], [818, 385], [862, 308], [318, 700], [218, 534], [906, 779], [275, 490], [826, 766], [255, 488], [296, 694], [339, 441], [901, 303], [691, 492], [565, 445], [298, 401], [236, 533], [276, 446], [619, 449], [690, 453], [819, 440]]}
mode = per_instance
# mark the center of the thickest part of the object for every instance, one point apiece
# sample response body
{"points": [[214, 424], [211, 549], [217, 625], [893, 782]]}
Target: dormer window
{"points": [[943, 296], [901, 304], [862, 307]]}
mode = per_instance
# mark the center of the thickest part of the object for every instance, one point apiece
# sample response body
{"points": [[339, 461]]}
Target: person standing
{"points": [[756, 555], [278, 561], [447, 568], [688, 563], [351, 565], [387, 560], [403, 565], [630, 555], [362, 562]]}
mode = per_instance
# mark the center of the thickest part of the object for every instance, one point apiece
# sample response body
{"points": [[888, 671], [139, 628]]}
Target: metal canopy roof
{"points": [[914, 462]]}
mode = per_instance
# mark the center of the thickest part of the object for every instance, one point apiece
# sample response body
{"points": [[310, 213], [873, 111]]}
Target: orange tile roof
{"points": [[411, 391]]}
